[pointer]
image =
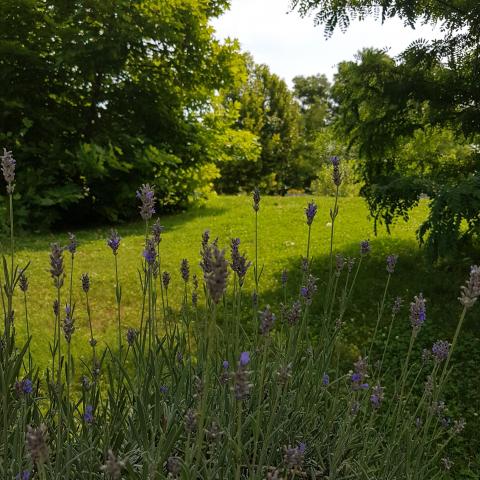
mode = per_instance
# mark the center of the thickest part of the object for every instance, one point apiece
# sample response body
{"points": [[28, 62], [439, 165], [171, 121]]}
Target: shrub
{"points": [[226, 387]]}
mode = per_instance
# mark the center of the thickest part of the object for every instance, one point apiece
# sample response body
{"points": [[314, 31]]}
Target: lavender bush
{"points": [[226, 387]]}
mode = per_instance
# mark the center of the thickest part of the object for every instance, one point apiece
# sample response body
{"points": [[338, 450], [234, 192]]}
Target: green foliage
{"points": [[101, 96]]}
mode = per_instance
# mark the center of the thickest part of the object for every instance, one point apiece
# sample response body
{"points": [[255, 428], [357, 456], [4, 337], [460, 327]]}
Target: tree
{"points": [[99, 96], [384, 107]]}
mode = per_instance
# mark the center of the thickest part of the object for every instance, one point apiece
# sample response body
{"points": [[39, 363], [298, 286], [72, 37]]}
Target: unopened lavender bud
{"points": [[150, 252], [339, 263], [310, 212], [131, 336], [391, 262], [216, 279], [267, 319], [471, 290], [166, 280], [256, 199], [114, 241], [191, 421], [113, 466], [157, 231], [284, 277], [23, 282], [56, 264], [365, 247], [174, 466], [185, 270], [72, 243], [68, 324], [417, 312], [336, 175], [85, 282]]}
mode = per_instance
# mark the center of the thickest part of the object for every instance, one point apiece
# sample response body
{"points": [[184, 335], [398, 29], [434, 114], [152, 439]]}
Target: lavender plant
{"points": [[205, 392]]}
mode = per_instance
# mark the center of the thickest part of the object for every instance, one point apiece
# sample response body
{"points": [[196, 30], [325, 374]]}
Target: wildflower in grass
{"points": [[166, 279], [198, 385], [284, 373], [365, 247], [310, 212], [239, 263], [242, 386], [150, 253], [56, 308], [351, 263], [426, 355], [417, 312], [113, 466], [191, 421], [163, 389], [256, 199], [325, 379], [23, 282], [339, 263], [68, 324], [446, 463], [440, 350], [146, 195], [391, 262], [131, 336], [360, 371], [305, 264], [174, 466], [85, 382], [284, 277], [8, 170], [88, 415], [205, 239], [24, 387], [354, 409], [36, 443], [471, 290], [397, 305], [72, 243], [377, 396], [293, 458], [93, 342], [293, 314], [217, 274], [418, 423], [25, 475], [185, 270], [458, 425], [267, 320], [56, 264], [85, 282], [214, 432], [445, 422], [194, 299], [438, 408], [114, 241], [157, 231], [429, 385], [309, 289], [180, 358], [336, 175], [225, 375]]}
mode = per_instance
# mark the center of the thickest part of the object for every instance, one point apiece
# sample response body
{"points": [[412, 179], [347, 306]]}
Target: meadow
{"points": [[282, 242]]}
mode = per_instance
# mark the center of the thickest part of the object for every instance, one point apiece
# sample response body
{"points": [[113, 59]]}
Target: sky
{"points": [[291, 45]]}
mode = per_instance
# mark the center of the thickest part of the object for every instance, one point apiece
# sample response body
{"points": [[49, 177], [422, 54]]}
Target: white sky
{"points": [[291, 45]]}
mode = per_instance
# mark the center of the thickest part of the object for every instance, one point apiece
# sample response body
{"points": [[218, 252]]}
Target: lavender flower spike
{"points": [[56, 264], [114, 241], [157, 231], [417, 312], [391, 262], [440, 350], [267, 320], [150, 253], [72, 243], [36, 443], [8, 170], [310, 212], [185, 270], [365, 247], [256, 199], [471, 290], [336, 175], [146, 195], [215, 272]]}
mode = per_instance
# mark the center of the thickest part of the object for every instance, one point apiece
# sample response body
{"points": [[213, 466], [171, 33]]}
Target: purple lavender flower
{"points": [[350, 264], [174, 466], [23, 282], [25, 475], [157, 231], [397, 305], [310, 212], [225, 365], [88, 415], [194, 299], [377, 396], [471, 290], [309, 289], [336, 175], [267, 319], [239, 262], [113, 466], [131, 336], [391, 262], [114, 241], [293, 458], [191, 420], [244, 359], [72, 243], [166, 279], [440, 350], [85, 282], [256, 199], [325, 379], [365, 247], [163, 389], [27, 387], [417, 312], [8, 170], [56, 264], [339, 263], [68, 324], [150, 253], [185, 270], [284, 277], [56, 308], [215, 269], [293, 314], [146, 195], [36, 443]]}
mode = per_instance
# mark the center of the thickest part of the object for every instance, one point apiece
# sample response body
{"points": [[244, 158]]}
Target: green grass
{"points": [[282, 238]]}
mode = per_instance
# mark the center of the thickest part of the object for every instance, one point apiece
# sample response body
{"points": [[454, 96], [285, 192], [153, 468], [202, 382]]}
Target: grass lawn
{"points": [[282, 238]]}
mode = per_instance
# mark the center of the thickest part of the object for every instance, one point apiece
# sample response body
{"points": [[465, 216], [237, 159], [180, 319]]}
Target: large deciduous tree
{"points": [[414, 119], [99, 96]]}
